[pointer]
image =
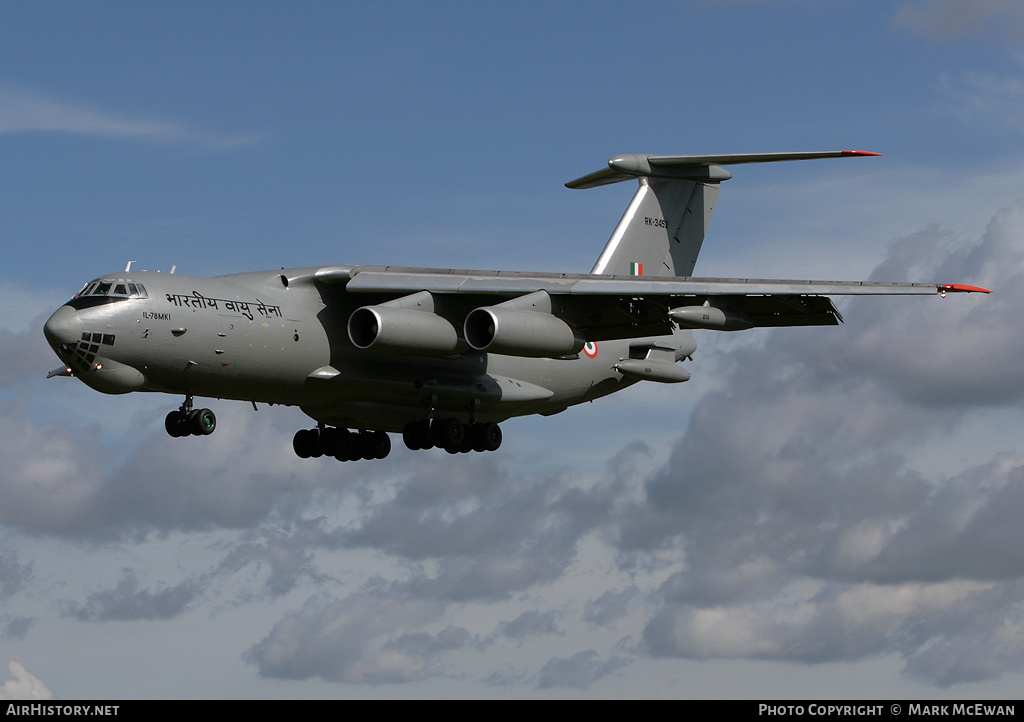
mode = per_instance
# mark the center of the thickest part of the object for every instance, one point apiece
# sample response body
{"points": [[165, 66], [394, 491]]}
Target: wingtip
{"points": [[962, 288], [858, 152]]}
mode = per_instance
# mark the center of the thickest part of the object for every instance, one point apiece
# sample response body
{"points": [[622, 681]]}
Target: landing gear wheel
{"points": [[380, 444], [488, 437], [190, 423], [303, 442], [413, 436], [315, 447], [206, 422], [449, 434], [324, 440], [425, 433], [340, 446], [172, 423]]}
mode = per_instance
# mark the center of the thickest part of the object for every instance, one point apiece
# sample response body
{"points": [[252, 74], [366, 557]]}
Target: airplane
{"points": [[442, 356]]}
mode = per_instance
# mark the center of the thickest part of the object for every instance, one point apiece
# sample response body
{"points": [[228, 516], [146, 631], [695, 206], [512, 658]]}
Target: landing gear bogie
{"points": [[342, 444], [194, 422], [451, 435]]}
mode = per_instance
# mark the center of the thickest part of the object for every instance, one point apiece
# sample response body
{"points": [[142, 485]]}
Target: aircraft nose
{"points": [[63, 327]]}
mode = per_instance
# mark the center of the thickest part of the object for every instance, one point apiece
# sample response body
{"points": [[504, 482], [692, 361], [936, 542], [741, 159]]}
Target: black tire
{"points": [[490, 436], [450, 433], [412, 436], [190, 424], [380, 444], [302, 443], [324, 439], [172, 422], [341, 444], [426, 433], [314, 444], [363, 446], [204, 422]]}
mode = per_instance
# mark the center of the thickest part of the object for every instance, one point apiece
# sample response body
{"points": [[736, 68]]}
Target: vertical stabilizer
{"points": [[663, 228]]}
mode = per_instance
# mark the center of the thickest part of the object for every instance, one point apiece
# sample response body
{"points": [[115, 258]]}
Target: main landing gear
{"points": [[449, 434], [452, 435], [342, 444], [187, 421]]}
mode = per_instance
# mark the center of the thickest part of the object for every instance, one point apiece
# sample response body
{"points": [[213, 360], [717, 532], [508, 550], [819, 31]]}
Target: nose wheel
{"points": [[187, 421]]}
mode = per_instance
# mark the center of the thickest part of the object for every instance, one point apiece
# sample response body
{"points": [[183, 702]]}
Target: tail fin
{"points": [[663, 228]]}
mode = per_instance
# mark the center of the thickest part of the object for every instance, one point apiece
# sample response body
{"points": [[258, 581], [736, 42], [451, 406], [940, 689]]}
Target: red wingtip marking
{"points": [[858, 152], [964, 289]]}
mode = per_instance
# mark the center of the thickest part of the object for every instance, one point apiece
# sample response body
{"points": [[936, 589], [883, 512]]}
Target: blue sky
{"points": [[816, 513]]}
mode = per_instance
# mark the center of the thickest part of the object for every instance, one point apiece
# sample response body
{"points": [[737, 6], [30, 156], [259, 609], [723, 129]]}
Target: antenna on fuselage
{"points": [[174, 268], [128, 267]]}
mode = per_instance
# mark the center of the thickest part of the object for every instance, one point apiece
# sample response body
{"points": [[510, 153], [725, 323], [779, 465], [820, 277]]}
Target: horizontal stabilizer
{"points": [[693, 167]]}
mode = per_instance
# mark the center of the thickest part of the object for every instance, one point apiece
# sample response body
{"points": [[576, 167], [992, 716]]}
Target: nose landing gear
{"points": [[187, 421]]}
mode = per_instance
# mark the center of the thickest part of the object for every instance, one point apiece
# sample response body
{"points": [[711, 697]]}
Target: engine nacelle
{"points": [[516, 332], [710, 317], [389, 329]]}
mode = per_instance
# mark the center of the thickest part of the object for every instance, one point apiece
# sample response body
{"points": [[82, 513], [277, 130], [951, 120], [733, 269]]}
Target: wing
{"points": [[606, 307]]}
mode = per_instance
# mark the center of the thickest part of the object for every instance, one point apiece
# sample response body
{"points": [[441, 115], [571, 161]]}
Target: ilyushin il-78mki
{"points": [[442, 356]]}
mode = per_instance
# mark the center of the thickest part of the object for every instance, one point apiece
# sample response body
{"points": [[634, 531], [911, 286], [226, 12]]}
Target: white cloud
{"points": [[807, 533], [790, 521], [580, 670], [23, 685], [345, 640]]}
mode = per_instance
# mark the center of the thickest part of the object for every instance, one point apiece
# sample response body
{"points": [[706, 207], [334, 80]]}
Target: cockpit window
{"points": [[103, 291]]}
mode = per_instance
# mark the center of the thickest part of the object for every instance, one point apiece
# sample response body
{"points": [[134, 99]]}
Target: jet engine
{"points": [[406, 325], [523, 326]]}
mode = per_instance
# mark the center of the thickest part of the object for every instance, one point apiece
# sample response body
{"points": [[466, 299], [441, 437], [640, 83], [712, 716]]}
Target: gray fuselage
{"points": [[281, 338]]}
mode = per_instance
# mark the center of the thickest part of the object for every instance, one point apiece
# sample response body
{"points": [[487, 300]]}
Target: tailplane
{"points": [[663, 228]]}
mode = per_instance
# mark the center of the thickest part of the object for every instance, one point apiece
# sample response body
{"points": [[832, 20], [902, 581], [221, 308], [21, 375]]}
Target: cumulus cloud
{"points": [[126, 602], [350, 640], [610, 606], [16, 627], [23, 685], [808, 532], [798, 516], [530, 623], [13, 575], [489, 534], [287, 558], [579, 671], [63, 480]]}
